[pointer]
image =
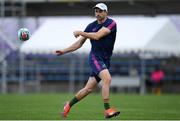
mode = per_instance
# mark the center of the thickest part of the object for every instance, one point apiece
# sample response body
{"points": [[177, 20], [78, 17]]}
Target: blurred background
{"points": [[146, 55]]}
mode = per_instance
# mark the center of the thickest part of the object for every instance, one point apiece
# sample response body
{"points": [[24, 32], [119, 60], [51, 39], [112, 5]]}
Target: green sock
{"points": [[73, 101], [106, 106]]}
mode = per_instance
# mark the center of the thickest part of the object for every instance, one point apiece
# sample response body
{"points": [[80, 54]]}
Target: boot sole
{"points": [[113, 115]]}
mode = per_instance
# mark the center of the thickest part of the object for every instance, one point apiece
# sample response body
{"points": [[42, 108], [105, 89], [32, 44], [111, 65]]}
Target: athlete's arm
{"points": [[73, 47], [93, 35]]}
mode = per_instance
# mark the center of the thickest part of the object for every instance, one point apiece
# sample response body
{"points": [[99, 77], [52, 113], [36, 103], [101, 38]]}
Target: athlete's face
{"points": [[100, 14]]}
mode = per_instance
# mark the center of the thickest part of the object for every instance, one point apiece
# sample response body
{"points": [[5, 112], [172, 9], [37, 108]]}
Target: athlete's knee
{"points": [[107, 80], [88, 90]]}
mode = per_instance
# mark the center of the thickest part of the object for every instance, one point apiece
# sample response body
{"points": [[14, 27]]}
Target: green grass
{"points": [[48, 106]]}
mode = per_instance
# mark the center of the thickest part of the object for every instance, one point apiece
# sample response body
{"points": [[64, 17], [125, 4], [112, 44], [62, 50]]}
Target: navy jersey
{"points": [[103, 47]]}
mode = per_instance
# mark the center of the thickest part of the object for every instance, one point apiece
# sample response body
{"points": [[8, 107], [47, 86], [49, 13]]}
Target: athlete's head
{"points": [[101, 11]]}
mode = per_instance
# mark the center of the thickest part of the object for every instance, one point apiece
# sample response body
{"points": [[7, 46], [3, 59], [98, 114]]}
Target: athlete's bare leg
{"points": [[90, 85], [106, 81]]}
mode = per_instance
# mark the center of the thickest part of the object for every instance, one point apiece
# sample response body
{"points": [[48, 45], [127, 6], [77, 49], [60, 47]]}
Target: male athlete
{"points": [[102, 34]]}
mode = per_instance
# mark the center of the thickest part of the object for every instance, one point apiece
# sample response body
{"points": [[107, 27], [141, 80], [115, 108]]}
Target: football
{"points": [[23, 34]]}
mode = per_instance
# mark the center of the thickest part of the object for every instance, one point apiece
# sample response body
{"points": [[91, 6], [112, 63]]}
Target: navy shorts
{"points": [[97, 64]]}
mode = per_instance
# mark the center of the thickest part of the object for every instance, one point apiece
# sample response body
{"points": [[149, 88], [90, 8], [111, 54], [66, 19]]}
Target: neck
{"points": [[102, 21]]}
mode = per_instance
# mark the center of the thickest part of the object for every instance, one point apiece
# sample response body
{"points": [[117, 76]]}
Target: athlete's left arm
{"points": [[93, 35]]}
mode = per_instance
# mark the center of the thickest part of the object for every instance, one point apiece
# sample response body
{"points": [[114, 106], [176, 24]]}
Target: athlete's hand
{"points": [[59, 52], [77, 33]]}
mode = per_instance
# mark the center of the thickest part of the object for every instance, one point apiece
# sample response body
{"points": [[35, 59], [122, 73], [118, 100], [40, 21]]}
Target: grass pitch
{"points": [[48, 106]]}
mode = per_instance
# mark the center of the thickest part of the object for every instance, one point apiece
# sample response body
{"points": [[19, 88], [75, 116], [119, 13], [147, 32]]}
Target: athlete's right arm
{"points": [[72, 47]]}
